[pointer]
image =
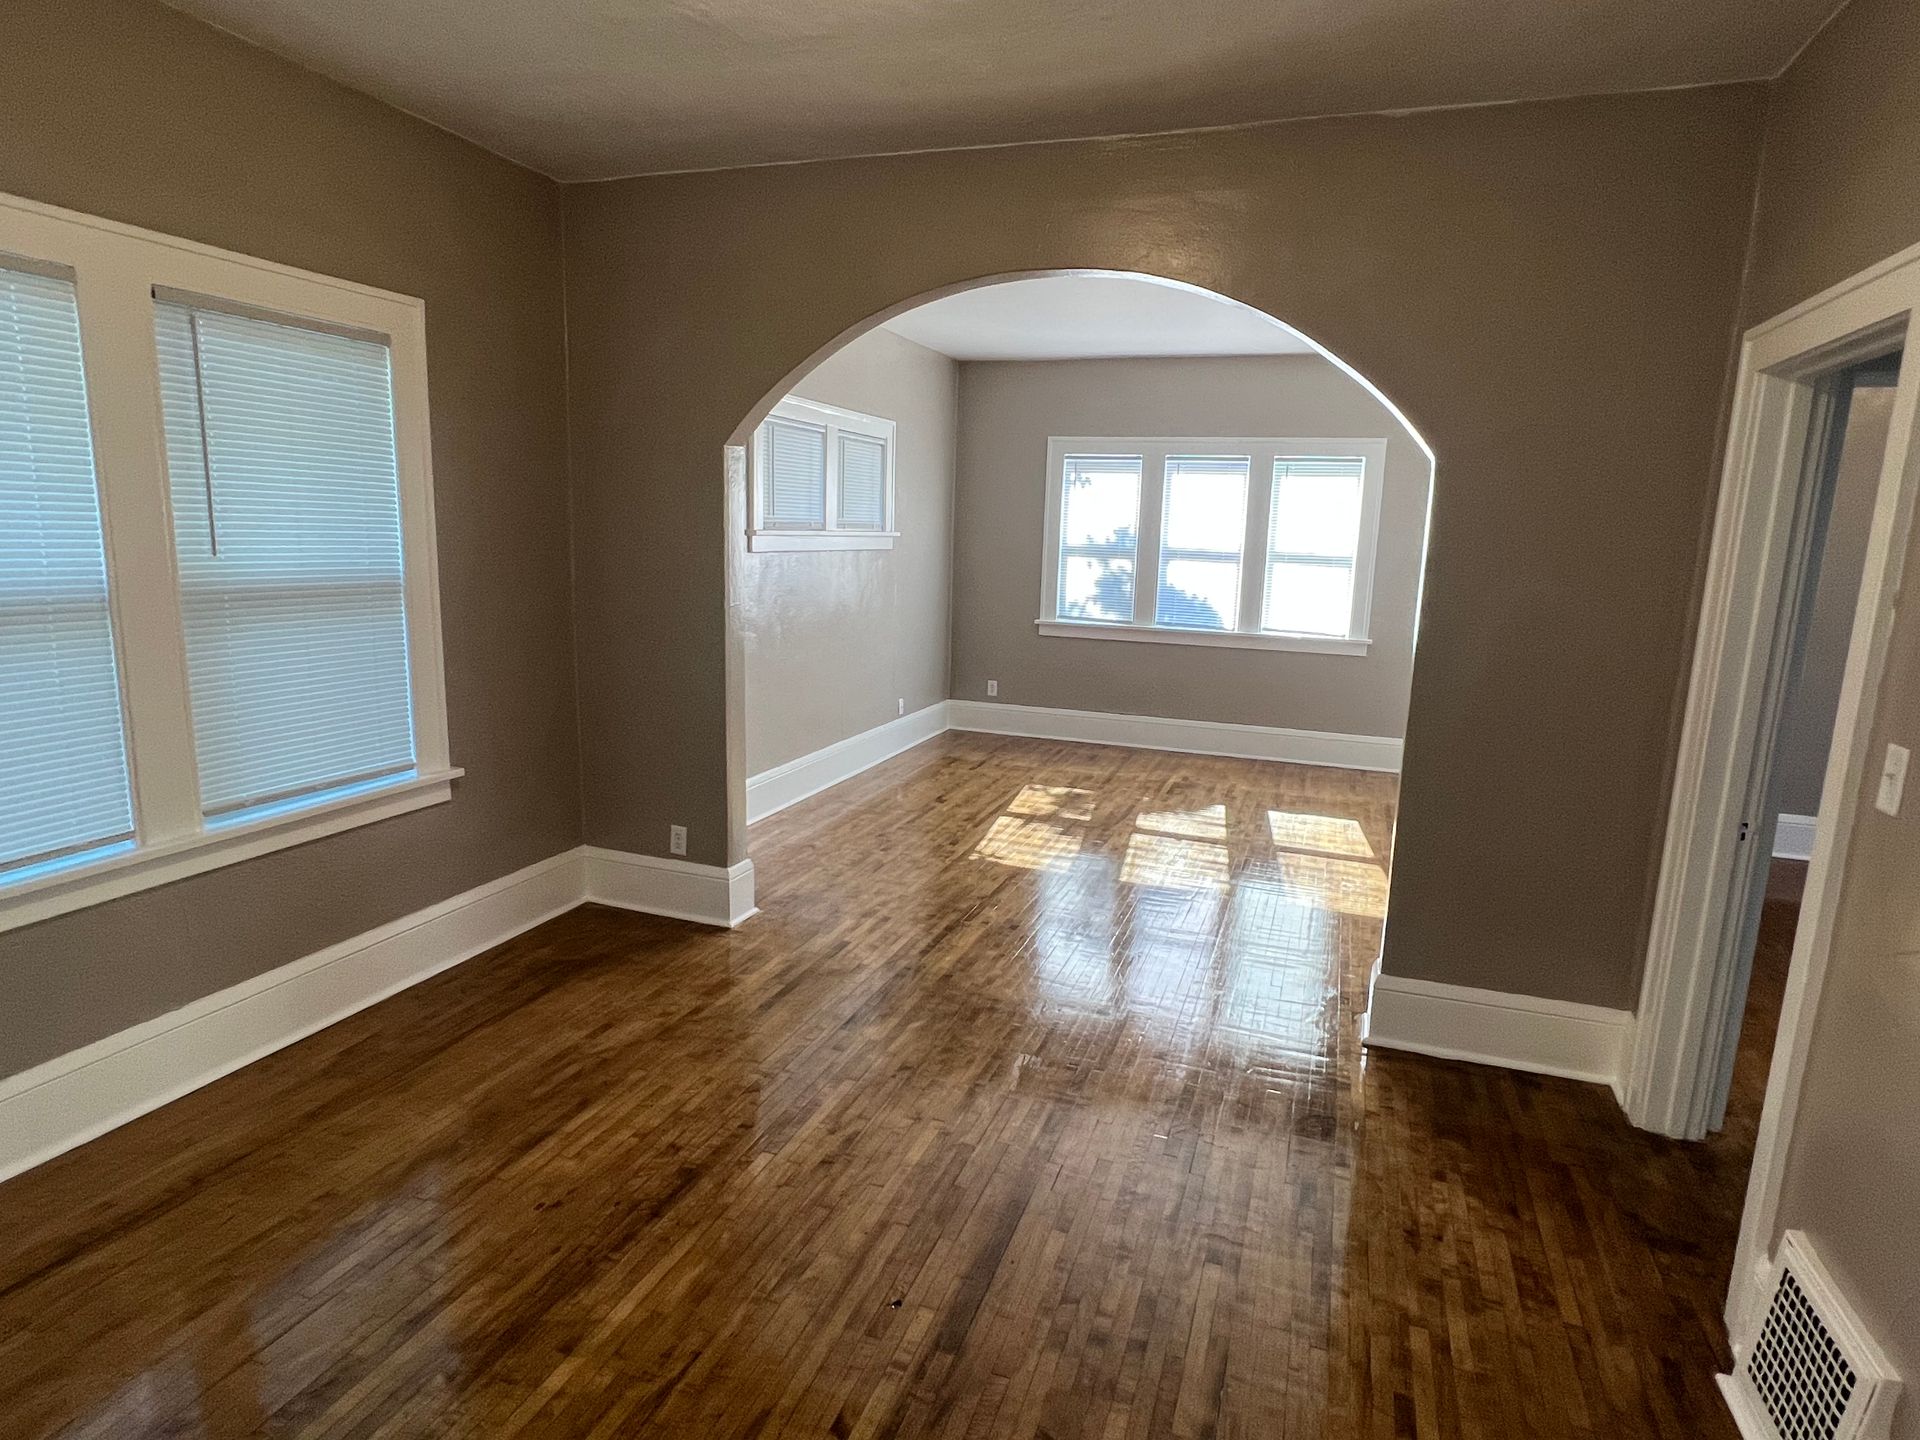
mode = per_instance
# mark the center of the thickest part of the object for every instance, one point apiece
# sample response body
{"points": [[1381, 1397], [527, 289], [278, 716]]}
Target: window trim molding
{"points": [[1247, 634], [116, 269], [835, 420]]}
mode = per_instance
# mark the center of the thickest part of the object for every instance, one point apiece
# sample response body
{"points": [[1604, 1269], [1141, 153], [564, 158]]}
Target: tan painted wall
{"points": [[1562, 352], [835, 639], [125, 109], [1007, 412], [1839, 192]]}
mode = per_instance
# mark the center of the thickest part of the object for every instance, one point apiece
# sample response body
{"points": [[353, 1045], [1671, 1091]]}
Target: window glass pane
{"points": [[63, 760], [1316, 505], [863, 482], [1203, 525], [1199, 594], [286, 505], [1309, 597], [795, 488], [1099, 529], [1312, 544]]}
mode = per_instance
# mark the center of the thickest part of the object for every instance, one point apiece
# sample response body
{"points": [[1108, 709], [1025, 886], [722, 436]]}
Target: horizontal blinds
{"points": [[863, 482], [63, 758], [1203, 527], [286, 506], [794, 487], [1099, 536], [1312, 544]]}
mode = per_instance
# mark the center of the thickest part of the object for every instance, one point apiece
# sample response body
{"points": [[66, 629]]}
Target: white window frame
{"points": [[116, 270], [1247, 633], [834, 420]]}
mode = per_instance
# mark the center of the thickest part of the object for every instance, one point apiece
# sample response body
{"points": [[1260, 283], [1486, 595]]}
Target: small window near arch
{"points": [[822, 479]]}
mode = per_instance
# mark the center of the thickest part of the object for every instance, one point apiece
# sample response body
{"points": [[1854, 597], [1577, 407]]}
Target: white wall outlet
{"points": [[1893, 780], [902, 703], [993, 687], [677, 839]]}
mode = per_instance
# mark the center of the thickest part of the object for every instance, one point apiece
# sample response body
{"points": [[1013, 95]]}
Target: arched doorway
{"points": [[834, 422]]}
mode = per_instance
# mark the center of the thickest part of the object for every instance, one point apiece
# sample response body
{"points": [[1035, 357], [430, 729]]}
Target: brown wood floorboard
{"points": [[1031, 1105]]}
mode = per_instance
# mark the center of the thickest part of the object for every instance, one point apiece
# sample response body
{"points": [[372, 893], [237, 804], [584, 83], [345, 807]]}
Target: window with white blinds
{"points": [[286, 518], [796, 475], [1265, 544], [1313, 543], [64, 789], [863, 482], [823, 479], [1203, 524], [1099, 537], [254, 660]]}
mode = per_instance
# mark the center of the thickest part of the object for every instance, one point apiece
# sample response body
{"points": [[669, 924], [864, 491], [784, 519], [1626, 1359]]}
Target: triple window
{"points": [[1242, 542], [219, 632], [822, 479]]}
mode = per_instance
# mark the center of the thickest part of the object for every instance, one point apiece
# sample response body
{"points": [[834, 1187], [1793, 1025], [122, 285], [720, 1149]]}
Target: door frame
{"points": [[1687, 987]]}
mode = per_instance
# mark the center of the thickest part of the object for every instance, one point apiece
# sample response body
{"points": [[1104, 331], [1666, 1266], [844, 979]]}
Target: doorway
{"points": [[1846, 452]]}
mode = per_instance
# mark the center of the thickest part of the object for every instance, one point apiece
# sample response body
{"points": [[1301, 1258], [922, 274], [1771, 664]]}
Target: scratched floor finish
{"points": [[1031, 1105]]}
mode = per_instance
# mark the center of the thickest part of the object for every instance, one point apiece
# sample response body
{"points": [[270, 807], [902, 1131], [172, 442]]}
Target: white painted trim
{"points": [[60, 891], [1492, 1027], [789, 541], [1191, 737], [1793, 837], [71, 1099], [678, 889], [774, 790], [1223, 639]]}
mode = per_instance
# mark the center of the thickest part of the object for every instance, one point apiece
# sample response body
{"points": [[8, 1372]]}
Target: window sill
{"points": [[822, 539], [126, 871], [1219, 639]]}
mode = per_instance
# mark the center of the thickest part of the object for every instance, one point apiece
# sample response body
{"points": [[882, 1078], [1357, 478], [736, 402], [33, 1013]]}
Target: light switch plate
{"points": [[1893, 780]]}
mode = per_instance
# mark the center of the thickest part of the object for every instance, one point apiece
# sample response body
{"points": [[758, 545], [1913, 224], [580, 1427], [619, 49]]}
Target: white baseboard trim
{"points": [[74, 1097], [1793, 837], [772, 791], [678, 889], [1191, 737], [1492, 1027]]}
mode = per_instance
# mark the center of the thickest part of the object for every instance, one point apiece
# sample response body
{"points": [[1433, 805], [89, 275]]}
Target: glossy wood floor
{"points": [[1030, 1106]]}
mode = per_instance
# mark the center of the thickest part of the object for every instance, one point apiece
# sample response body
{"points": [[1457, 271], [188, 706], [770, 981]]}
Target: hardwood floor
{"points": [[1031, 1105]]}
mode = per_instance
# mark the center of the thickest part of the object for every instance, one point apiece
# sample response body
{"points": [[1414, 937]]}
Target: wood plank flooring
{"points": [[1031, 1105]]}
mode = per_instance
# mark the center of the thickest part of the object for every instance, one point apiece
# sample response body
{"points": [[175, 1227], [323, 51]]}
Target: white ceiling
{"points": [[1064, 317], [587, 89]]}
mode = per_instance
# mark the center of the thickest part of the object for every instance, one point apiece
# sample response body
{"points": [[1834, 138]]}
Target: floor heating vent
{"points": [[1810, 1372]]}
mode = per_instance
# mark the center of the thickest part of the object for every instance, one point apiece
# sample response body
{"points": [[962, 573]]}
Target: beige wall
{"points": [[1007, 412], [1806, 729], [125, 109], [834, 640], [1839, 192], [1562, 353]]}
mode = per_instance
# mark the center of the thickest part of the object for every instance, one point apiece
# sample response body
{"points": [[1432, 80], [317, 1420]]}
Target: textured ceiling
{"points": [[587, 89]]}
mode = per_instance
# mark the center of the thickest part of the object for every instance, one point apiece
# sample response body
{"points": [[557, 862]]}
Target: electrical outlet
{"points": [[1893, 780], [677, 839], [903, 706], [993, 687]]}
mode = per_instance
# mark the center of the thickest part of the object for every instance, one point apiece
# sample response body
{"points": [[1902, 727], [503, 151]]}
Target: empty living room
{"points": [[1049, 721]]}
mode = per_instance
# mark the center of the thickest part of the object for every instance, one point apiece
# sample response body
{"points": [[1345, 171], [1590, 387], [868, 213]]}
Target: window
{"points": [[822, 480], [1099, 543], [219, 634], [64, 787], [1258, 543]]}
